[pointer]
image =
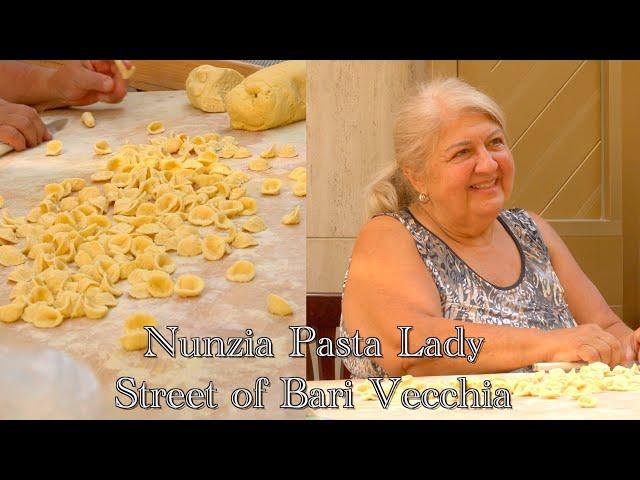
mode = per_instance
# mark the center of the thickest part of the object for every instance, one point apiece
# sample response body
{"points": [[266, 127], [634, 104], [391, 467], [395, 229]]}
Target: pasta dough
{"points": [[278, 305], [287, 151], [213, 247], [271, 186], [201, 215], [190, 246], [242, 152], [135, 336], [159, 284], [259, 165], [254, 225], [292, 218], [269, 152], [241, 271], [207, 86], [243, 240], [54, 147], [271, 97], [88, 120], [11, 256], [298, 173], [155, 127], [126, 73], [300, 189], [101, 147], [189, 286], [11, 312]]}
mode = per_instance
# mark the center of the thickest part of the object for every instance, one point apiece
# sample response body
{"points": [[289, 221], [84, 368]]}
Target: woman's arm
{"points": [[586, 303], [75, 83], [389, 286]]}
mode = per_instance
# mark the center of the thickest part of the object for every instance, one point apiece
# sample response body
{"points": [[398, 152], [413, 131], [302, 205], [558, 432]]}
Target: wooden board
{"points": [[611, 405], [225, 309]]}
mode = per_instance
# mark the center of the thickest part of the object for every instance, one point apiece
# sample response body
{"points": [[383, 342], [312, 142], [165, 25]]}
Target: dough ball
{"points": [[208, 85], [270, 97]]}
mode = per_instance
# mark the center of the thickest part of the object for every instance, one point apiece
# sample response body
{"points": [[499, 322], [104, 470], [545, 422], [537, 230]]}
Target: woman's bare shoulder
{"points": [[381, 232]]}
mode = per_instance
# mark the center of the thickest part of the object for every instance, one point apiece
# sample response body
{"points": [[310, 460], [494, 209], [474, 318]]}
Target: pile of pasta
{"points": [[82, 241], [579, 385]]}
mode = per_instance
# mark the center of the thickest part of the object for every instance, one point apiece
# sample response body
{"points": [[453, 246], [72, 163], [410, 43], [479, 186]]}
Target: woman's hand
{"points": [[21, 126], [632, 347], [86, 82], [587, 343]]}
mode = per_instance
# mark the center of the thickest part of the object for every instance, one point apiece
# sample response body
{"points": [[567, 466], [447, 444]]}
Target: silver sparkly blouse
{"points": [[536, 300]]}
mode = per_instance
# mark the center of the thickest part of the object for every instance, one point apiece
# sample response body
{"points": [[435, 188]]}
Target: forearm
{"points": [[504, 349], [25, 84]]}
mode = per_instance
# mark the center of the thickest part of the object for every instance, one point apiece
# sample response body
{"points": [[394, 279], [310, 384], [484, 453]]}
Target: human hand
{"points": [[632, 347], [587, 343], [21, 126], [86, 82]]}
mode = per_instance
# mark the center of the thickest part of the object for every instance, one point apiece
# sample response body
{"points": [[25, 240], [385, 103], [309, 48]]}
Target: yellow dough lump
{"points": [[189, 286], [269, 98], [241, 271], [54, 147], [88, 120], [207, 86], [278, 305]]}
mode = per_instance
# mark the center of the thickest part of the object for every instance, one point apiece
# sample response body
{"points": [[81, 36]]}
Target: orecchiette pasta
{"points": [[155, 127], [278, 305], [269, 152], [243, 240], [298, 173], [159, 284], [10, 256], [54, 147], [259, 165], [101, 147], [300, 188], [189, 286], [287, 151], [213, 247], [271, 186], [135, 337], [241, 271], [190, 246], [254, 225], [292, 218]]}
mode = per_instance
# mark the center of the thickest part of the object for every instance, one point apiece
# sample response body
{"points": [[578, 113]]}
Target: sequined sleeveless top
{"points": [[536, 300]]}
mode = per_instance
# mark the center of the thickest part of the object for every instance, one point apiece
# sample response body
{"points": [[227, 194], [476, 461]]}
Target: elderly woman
{"points": [[441, 251]]}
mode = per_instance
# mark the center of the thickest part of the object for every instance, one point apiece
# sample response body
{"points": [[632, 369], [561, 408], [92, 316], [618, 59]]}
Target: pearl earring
{"points": [[423, 197]]}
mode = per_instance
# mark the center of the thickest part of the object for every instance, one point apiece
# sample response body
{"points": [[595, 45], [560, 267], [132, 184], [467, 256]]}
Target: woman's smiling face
{"points": [[471, 171]]}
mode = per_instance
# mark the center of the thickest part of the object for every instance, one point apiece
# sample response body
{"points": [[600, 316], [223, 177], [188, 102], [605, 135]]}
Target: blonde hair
{"points": [[416, 131]]}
